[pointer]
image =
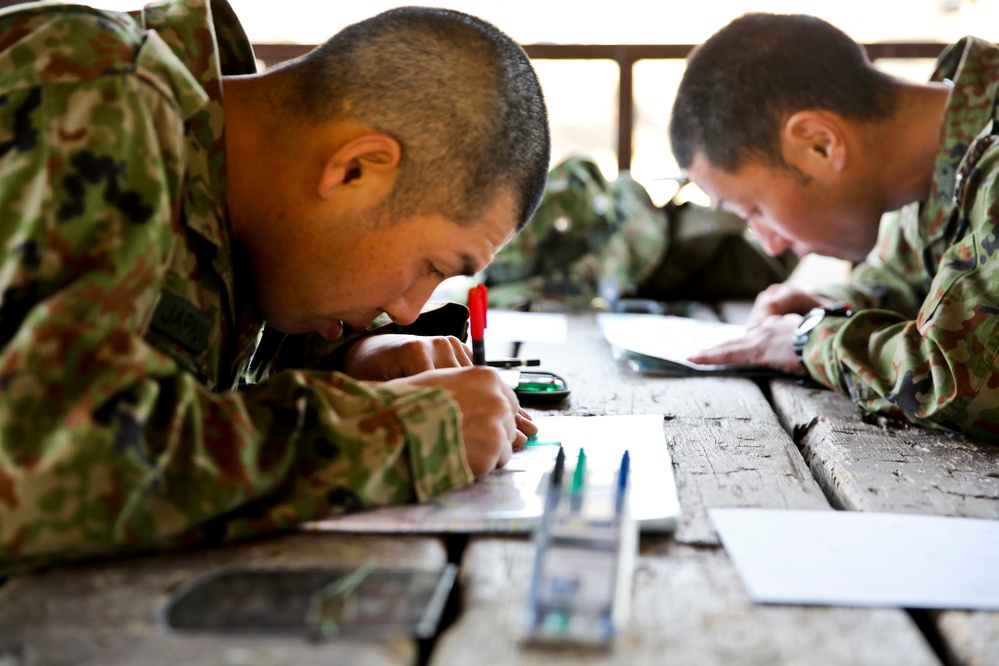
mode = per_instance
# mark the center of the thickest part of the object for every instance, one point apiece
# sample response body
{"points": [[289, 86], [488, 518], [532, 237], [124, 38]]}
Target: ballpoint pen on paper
{"points": [[478, 297]]}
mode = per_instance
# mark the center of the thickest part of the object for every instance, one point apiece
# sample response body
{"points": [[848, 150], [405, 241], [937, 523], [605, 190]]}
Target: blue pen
{"points": [[622, 481]]}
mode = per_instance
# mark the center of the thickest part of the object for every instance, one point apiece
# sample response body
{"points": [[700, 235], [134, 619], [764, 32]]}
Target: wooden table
{"points": [[735, 443], [106, 613]]}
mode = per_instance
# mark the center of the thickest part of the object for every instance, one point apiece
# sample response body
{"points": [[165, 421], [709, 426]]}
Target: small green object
{"points": [[541, 386], [534, 441], [580, 474]]}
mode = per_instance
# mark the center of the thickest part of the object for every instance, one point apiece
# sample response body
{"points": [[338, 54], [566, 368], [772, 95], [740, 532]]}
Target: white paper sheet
{"points": [[850, 558], [513, 326], [660, 344]]}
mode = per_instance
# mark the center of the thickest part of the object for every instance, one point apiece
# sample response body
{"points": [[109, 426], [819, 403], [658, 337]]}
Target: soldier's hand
{"points": [[769, 344], [781, 299], [492, 422], [390, 356]]}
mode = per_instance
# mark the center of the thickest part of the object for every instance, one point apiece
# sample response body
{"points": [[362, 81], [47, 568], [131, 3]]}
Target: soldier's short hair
{"points": [[746, 79], [459, 95]]}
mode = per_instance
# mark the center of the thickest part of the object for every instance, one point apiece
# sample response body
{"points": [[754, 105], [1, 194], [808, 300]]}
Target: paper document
{"points": [[514, 326], [852, 558], [660, 344], [511, 499]]}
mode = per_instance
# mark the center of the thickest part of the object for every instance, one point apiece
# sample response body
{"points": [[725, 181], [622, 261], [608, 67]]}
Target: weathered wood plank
{"points": [[871, 464], [688, 607], [105, 613]]}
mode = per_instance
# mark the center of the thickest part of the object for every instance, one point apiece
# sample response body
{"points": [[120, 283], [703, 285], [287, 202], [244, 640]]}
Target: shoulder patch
{"points": [[182, 322]]}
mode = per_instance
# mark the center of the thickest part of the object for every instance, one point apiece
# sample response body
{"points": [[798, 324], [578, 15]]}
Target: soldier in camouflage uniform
{"points": [[149, 231], [913, 334], [593, 241]]}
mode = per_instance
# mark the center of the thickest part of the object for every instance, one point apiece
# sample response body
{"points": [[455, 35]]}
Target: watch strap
{"points": [[803, 333]]}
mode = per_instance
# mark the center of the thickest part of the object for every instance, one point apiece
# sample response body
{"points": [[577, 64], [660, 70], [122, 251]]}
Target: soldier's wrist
{"points": [[812, 319]]}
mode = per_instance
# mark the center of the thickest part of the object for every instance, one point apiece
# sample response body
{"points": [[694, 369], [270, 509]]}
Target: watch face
{"points": [[811, 320]]}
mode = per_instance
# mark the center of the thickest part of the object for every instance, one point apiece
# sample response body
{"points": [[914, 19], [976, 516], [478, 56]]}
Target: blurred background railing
{"points": [[625, 56]]}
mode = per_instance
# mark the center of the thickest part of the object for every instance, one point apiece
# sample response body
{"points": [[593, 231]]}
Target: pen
{"points": [[559, 468], [478, 296], [543, 534], [554, 487], [555, 482], [622, 481], [578, 478], [513, 362]]}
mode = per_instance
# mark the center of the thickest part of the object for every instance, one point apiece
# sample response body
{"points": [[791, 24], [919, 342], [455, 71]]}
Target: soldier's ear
{"points": [[814, 141], [368, 162]]}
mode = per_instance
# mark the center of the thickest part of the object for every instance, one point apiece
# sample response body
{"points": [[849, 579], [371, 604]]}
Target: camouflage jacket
{"points": [[923, 345], [125, 329]]}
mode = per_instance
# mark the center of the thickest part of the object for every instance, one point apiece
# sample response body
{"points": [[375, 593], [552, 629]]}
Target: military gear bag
{"points": [[587, 232], [592, 242]]}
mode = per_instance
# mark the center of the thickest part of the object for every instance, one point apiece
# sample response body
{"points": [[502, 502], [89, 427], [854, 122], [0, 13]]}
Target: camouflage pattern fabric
{"points": [[592, 241], [924, 345], [586, 231], [124, 329]]}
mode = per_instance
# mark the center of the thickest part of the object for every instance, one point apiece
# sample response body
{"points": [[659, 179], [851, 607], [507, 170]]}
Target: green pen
{"points": [[577, 481]]}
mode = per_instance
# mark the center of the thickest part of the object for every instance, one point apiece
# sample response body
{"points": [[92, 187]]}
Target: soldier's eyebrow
{"points": [[467, 265]]}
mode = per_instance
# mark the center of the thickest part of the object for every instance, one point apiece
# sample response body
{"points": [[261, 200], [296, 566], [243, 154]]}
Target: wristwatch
{"points": [[804, 330]]}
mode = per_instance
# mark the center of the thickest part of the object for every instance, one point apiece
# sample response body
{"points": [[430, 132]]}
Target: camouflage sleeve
{"points": [[939, 368], [277, 351], [105, 444], [894, 277]]}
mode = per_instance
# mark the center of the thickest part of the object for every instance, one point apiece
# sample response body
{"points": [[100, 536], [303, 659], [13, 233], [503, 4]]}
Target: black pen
{"points": [[513, 362], [555, 484], [543, 534]]}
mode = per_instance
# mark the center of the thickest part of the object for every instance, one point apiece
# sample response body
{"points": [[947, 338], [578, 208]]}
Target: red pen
{"points": [[478, 297]]}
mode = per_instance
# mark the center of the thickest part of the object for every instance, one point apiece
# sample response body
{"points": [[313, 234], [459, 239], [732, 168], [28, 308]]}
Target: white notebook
{"points": [[511, 499], [660, 344]]}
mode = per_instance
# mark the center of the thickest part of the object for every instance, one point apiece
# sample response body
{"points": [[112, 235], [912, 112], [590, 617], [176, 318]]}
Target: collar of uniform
{"points": [[206, 36], [971, 64], [159, 66], [209, 40]]}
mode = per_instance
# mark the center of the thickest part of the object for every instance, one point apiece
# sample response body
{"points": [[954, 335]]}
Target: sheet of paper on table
{"points": [[853, 558], [511, 499], [514, 326], [660, 344]]}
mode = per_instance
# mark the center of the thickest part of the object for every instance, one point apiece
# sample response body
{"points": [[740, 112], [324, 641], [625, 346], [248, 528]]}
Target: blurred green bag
{"points": [[592, 242]]}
